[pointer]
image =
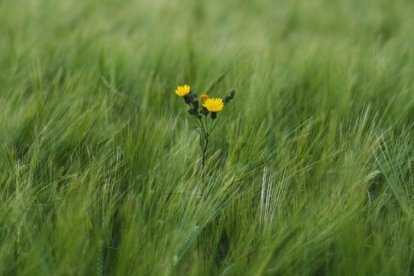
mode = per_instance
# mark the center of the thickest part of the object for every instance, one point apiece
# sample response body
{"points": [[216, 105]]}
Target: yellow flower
{"points": [[214, 104], [182, 90], [203, 97]]}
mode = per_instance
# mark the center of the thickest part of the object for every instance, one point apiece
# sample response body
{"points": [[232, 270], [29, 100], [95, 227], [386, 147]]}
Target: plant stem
{"points": [[203, 135], [204, 152]]}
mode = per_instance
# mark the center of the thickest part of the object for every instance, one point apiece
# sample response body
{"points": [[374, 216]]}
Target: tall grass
{"points": [[311, 170]]}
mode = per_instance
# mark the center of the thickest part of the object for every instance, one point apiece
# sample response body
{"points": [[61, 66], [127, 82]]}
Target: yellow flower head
{"points": [[203, 97], [182, 90], [214, 104]]}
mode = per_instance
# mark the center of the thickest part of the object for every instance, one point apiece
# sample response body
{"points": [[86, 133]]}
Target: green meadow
{"points": [[309, 171]]}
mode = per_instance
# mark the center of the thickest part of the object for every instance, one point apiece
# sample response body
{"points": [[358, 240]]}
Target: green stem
{"points": [[204, 153], [214, 124], [204, 134]]}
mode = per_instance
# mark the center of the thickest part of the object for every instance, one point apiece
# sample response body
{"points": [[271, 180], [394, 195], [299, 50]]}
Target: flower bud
{"points": [[229, 97]]}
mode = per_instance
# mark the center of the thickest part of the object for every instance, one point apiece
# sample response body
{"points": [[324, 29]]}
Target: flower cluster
{"points": [[200, 108], [208, 105]]}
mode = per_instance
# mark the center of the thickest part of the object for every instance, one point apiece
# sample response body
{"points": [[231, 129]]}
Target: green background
{"points": [[310, 169]]}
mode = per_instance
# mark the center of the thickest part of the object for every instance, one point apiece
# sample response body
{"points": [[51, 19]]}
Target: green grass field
{"points": [[310, 170]]}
